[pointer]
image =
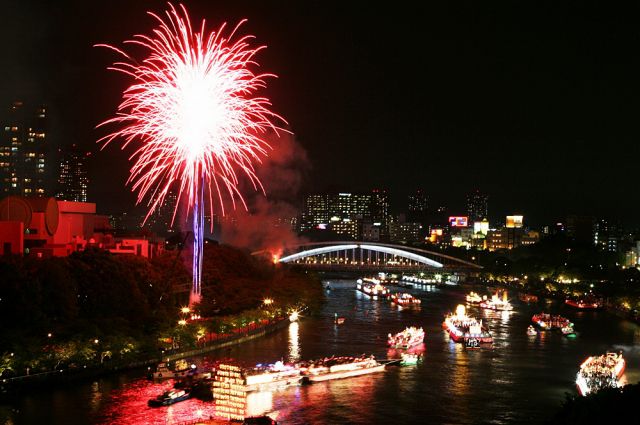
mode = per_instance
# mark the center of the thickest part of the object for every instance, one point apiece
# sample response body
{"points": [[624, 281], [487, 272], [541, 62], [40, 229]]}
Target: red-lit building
{"points": [[46, 227]]}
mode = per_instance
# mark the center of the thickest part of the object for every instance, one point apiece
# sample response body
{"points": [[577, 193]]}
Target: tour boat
{"points": [[547, 321], [474, 298], [528, 298], [372, 287], [531, 331], [597, 373], [272, 376], [462, 327], [584, 304], [404, 298], [497, 303], [339, 368], [181, 369], [169, 397], [406, 339]]}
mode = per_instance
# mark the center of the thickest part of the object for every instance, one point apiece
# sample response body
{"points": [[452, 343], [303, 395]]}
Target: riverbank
{"points": [[19, 384]]}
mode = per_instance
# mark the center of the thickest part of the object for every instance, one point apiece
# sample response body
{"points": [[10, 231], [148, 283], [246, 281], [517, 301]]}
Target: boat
{"points": [[463, 328], [339, 367], [406, 339], [169, 397], [548, 322], [340, 320], [588, 303], [568, 330], [181, 369], [371, 287], [271, 376], [600, 372], [531, 331], [528, 298], [409, 359], [497, 303], [474, 298], [404, 299]]}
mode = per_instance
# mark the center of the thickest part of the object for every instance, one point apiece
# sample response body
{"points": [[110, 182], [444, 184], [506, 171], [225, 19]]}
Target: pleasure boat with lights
{"points": [[497, 303], [371, 287], [568, 330], [528, 298], [474, 298], [169, 398], [181, 369], [271, 376], [588, 303], [406, 339], [548, 322], [339, 368], [404, 299], [409, 359], [464, 328], [600, 372], [531, 331]]}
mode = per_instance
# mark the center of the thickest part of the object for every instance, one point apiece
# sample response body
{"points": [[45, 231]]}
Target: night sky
{"points": [[536, 105]]}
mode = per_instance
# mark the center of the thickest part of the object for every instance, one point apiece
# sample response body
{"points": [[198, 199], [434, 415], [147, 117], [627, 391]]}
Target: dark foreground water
{"points": [[522, 379]]}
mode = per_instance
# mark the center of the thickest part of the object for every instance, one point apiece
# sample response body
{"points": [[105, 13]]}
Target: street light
{"points": [[182, 322], [185, 310], [267, 301]]}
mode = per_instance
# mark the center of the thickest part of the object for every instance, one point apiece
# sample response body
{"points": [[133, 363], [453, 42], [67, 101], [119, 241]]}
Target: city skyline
{"points": [[539, 134]]}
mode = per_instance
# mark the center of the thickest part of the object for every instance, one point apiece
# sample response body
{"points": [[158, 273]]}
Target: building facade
{"points": [[477, 206], [22, 152], [73, 178]]}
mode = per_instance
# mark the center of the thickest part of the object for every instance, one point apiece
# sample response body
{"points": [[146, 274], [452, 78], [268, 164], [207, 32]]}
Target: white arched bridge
{"points": [[349, 255]]}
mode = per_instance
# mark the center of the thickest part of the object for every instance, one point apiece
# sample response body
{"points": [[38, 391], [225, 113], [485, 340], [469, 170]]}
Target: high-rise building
{"points": [[345, 212], [73, 180], [417, 208], [606, 235], [315, 211], [22, 152], [477, 206]]}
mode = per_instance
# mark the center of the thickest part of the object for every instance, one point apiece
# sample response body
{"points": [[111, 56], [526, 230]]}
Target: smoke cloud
{"points": [[267, 224]]}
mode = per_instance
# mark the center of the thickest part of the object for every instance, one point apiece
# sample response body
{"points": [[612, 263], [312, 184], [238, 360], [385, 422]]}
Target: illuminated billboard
{"points": [[514, 221], [459, 221]]}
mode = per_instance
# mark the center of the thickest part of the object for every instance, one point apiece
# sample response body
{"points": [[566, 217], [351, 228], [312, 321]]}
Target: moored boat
{"points": [[181, 369], [406, 339], [409, 359], [600, 372]]}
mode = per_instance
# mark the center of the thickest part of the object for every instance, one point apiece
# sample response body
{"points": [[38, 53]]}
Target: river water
{"points": [[522, 379]]}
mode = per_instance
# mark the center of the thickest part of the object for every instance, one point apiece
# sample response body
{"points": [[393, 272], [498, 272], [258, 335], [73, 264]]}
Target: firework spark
{"points": [[192, 110]]}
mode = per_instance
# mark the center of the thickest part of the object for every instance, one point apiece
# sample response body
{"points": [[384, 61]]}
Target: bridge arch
{"points": [[345, 253]]}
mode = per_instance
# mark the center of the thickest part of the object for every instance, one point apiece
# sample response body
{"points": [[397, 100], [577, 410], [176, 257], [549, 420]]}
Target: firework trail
{"points": [[192, 112]]}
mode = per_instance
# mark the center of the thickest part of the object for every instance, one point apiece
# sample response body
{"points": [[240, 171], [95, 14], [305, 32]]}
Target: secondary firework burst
{"points": [[194, 117]]}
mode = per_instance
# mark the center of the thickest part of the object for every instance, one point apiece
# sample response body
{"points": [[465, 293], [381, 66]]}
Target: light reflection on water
{"points": [[521, 379]]}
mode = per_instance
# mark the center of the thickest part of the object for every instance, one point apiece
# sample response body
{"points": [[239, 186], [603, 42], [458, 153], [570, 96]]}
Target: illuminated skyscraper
{"points": [[22, 152], [73, 179], [477, 206]]}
